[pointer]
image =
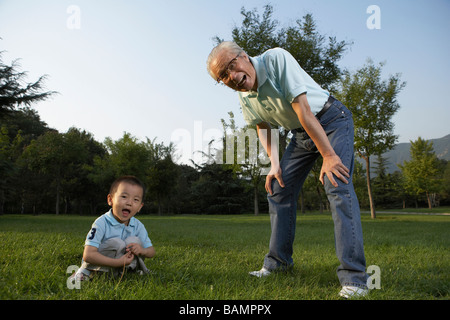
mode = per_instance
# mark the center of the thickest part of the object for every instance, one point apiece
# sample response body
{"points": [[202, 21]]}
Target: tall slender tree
{"points": [[373, 102]]}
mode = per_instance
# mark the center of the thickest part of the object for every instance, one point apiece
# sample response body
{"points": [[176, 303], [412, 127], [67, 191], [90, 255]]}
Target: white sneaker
{"points": [[348, 292], [79, 276], [261, 273]]}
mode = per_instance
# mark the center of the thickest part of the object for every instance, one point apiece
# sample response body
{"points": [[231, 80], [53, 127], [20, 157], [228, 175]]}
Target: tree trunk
{"points": [[256, 204], [429, 200], [320, 199], [369, 189], [2, 201], [57, 196]]}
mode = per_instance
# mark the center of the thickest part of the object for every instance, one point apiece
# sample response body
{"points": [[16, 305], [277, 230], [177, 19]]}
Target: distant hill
{"points": [[401, 152]]}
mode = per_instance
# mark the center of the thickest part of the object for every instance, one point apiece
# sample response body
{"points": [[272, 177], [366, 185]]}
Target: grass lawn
{"points": [[206, 257]]}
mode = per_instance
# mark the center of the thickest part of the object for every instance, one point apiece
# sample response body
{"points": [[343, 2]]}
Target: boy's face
{"points": [[126, 201]]}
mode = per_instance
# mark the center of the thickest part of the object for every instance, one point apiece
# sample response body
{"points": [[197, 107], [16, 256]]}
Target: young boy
{"points": [[117, 239]]}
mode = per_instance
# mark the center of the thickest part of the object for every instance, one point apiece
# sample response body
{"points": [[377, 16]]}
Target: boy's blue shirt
{"points": [[106, 227]]}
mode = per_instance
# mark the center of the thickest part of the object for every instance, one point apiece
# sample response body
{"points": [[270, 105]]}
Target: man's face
{"points": [[237, 73], [126, 201]]}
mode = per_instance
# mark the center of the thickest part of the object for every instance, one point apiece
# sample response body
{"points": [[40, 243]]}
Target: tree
{"points": [[445, 185], [380, 182], [397, 188], [162, 173], [317, 56], [79, 190], [388, 187], [6, 165], [64, 160], [12, 91], [26, 121], [16, 95], [127, 156], [373, 102], [242, 146], [422, 173], [218, 191], [18, 129], [184, 200], [58, 156]]}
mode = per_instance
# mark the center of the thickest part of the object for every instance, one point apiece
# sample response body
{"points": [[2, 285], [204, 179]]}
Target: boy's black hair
{"points": [[128, 179]]}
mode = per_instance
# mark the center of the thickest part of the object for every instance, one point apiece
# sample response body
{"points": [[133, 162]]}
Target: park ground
{"points": [[208, 257]]}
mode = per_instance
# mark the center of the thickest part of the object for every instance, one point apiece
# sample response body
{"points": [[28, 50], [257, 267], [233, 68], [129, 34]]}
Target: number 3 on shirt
{"points": [[93, 230]]}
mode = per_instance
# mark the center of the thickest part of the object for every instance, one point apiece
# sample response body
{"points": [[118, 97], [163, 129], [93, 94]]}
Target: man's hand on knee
{"points": [[275, 173]]}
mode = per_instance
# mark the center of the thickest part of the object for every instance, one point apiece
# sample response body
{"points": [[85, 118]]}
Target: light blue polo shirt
{"points": [[280, 81], [106, 227]]}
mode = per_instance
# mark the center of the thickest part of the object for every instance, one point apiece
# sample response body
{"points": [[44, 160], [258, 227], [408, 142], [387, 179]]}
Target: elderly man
{"points": [[274, 89]]}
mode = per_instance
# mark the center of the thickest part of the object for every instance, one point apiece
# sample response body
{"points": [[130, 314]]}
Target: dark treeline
{"points": [[45, 171]]}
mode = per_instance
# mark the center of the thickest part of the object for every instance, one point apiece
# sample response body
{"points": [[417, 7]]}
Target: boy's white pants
{"points": [[115, 248]]}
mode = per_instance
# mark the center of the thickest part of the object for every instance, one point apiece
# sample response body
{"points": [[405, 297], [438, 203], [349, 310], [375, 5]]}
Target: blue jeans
{"points": [[297, 161]]}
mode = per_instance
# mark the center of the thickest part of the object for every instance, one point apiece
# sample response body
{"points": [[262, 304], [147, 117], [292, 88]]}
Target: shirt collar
{"points": [[260, 69], [114, 222]]}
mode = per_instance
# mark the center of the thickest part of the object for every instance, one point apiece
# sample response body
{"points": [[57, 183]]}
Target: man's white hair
{"points": [[229, 46]]}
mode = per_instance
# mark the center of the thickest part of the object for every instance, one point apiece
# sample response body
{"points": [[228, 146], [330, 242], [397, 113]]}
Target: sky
{"points": [[140, 66]]}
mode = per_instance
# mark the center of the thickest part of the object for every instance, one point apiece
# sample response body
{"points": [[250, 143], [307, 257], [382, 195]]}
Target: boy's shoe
{"points": [[79, 276], [349, 292], [261, 273]]}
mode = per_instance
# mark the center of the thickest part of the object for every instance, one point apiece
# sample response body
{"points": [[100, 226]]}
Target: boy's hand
{"points": [[126, 259], [134, 248]]}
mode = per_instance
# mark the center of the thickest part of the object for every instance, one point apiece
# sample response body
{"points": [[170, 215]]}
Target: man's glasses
{"points": [[225, 75]]}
